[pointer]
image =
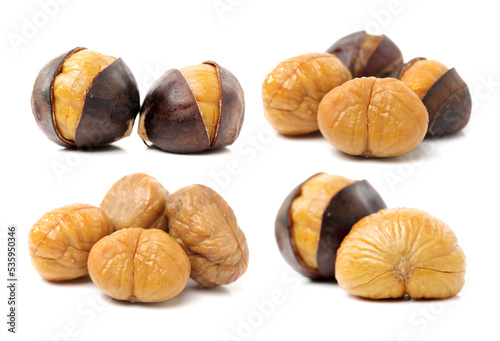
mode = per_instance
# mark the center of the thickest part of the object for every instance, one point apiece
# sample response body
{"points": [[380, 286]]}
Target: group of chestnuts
{"points": [[83, 99], [142, 244], [333, 228], [363, 99]]}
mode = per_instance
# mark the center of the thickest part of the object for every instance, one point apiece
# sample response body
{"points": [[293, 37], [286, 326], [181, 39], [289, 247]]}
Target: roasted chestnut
{"points": [[443, 92], [205, 226], [373, 117], [193, 109], [316, 216], [291, 92], [84, 99], [401, 251], [368, 55]]}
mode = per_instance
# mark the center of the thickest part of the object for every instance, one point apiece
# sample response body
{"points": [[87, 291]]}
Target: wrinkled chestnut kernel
{"points": [[136, 200], [60, 241], [316, 216], [84, 99], [373, 117], [443, 92], [368, 55], [139, 265], [193, 109], [205, 226], [292, 91], [401, 251]]}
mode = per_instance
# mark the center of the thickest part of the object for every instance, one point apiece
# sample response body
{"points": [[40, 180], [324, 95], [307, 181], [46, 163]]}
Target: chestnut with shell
{"points": [[193, 109], [83, 99], [368, 55], [443, 92], [316, 216]]}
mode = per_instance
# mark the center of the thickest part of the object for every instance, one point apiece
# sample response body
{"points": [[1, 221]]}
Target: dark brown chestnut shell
{"points": [[448, 102], [345, 208], [367, 55], [111, 104], [172, 120]]}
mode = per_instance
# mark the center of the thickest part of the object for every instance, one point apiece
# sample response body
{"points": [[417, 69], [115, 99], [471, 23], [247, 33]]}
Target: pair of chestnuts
{"points": [[333, 228], [83, 99], [363, 99], [142, 244]]}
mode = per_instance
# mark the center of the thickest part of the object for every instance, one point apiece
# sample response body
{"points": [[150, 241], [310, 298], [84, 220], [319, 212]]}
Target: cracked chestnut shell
{"points": [[139, 265], [316, 216], [443, 92], [205, 226], [60, 241], [136, 200], [401, 251], [373, 117], [82, 99], [368, 55], [291, 92], [193, 109]]}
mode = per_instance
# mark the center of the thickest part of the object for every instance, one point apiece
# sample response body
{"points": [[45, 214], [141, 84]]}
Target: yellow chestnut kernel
{"points": [[205, 86], [60, 241], [400, 251], [373, 117], [205, 226], [307, 213], [139, 265], [421, 75], [136, 200], [291, 92]]}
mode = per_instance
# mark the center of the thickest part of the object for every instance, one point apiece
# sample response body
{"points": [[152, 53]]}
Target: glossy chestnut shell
{"points": [[368, 55]]}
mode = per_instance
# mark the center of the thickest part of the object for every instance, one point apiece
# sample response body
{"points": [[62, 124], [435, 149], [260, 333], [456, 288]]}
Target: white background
{"points": [[454, 178]]}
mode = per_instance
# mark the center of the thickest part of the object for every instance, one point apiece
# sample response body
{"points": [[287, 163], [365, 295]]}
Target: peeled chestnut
{"points": [[292, 91], [136, 200], [60, 241], [193, 109], [373, 117], [368, 55], [84, 99], [205, 226], [443, 92], [401, 251], [316, 216], [139, 265]]}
